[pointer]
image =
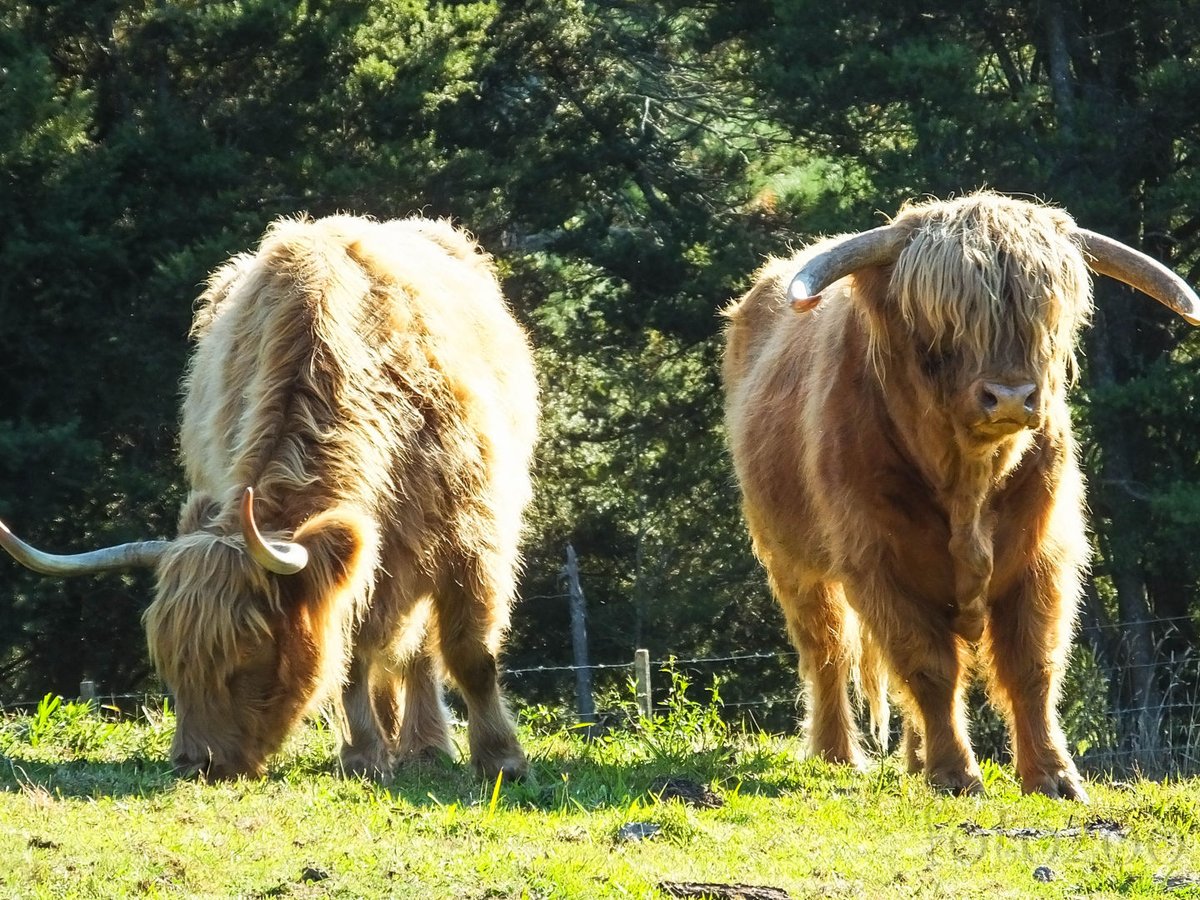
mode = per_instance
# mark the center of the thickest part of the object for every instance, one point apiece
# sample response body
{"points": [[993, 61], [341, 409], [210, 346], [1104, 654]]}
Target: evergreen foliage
{"points": [[630, 164]]}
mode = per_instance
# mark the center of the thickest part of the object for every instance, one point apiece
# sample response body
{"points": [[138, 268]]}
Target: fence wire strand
{"points": [[1133, 731]]}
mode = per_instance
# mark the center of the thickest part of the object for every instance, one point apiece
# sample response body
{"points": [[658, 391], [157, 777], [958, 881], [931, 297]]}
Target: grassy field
{"points": [[88, 808]]}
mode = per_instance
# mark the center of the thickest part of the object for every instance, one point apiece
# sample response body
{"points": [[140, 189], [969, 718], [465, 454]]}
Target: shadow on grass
{"points": [[136, 776], [619, 769], [615, 770], [66, 750]]}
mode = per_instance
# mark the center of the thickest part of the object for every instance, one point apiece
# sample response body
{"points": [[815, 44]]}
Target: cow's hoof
{"points": [[373, 766], [513, 765], [963, 782], [1064, 784], [425, 757], [848, 756]]}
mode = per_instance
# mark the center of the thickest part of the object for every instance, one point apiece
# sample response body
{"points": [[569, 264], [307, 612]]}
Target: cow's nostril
{"points": [[1002, 402]]}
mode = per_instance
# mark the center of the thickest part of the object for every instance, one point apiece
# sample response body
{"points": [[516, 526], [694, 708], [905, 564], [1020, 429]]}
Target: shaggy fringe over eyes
{"points": [[994, 277], [207, 608]]}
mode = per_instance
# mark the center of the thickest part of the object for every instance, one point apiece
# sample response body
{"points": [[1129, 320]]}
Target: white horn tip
{"points": [[801, 298], [282, 558], [797, 289]]}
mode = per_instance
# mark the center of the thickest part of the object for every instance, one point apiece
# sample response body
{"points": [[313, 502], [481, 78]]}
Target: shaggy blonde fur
{"points": [[368, 380], [897, 528], [992, 277]]}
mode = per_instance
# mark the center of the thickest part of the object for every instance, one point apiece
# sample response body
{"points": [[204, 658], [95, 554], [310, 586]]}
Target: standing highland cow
{"points": [[908, 470], [357, 428]]}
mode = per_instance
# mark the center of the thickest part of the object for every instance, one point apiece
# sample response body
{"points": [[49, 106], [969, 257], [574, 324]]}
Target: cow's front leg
{"points": [[1027, 640], [470, 623], [926, 658]]}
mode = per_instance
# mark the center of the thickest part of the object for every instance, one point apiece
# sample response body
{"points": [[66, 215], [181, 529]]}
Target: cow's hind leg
{"points": [[392, 698], [472, 613], [422, 733], [911, 747], [394, 715], [817, 621], [1027, 640]]}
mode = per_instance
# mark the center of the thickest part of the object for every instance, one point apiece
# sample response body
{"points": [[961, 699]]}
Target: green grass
{"points": [[88, 808]]}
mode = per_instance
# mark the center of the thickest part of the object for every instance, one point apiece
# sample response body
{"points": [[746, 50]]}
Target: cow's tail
{"points": [[872, 683]]}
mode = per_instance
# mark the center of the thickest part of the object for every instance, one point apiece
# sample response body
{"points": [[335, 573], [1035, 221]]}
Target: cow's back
{"points": [[354, 360]]}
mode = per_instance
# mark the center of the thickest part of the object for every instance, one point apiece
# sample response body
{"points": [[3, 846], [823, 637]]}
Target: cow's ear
{"points": [[871, 295], [343, 554], [323, 601], [870, 286]]}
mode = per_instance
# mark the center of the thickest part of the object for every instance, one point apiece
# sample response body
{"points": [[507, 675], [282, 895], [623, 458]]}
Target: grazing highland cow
{"points": [[357, 428], [908, 471]]}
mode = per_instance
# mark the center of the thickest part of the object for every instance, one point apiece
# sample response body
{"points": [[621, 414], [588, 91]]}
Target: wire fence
{"points": [[1110, 727]]}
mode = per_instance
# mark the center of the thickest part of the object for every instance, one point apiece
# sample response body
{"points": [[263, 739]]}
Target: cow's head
{"points": [[973, 305], [247, 632]]}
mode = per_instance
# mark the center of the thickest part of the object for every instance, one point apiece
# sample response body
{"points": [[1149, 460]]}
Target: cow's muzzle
{"points": [[206, 768], [1007, 407]]}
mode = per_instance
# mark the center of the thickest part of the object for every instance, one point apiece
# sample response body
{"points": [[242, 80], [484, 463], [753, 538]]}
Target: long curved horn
{"points": [[280, 557], [136, 555], [1116, 260], [877, 247]]}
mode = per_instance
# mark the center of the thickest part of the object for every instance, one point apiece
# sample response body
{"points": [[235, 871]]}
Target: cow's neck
{"points": [[965, 478], [973, 479]]}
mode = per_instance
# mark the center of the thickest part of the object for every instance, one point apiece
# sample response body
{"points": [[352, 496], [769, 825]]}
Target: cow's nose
{"points": [[1015, 403]]}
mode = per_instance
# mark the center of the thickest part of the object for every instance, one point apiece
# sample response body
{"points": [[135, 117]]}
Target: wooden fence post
{"points": [[583, 670], [87, 691], [641, 671]]}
